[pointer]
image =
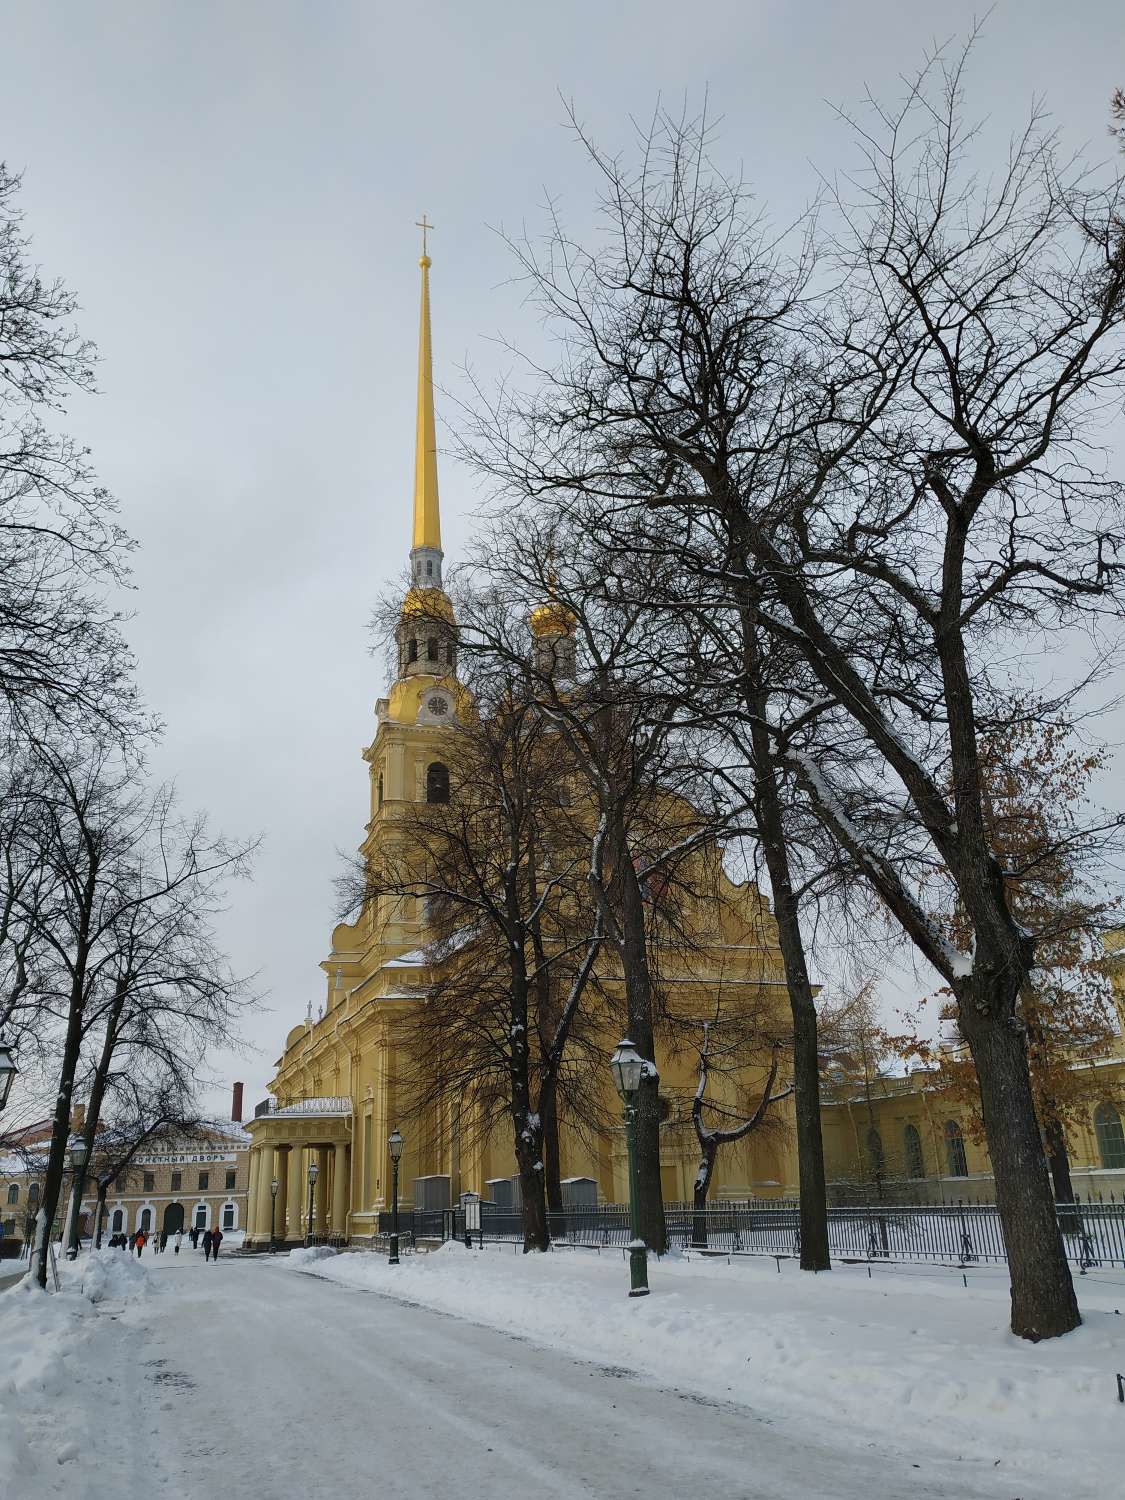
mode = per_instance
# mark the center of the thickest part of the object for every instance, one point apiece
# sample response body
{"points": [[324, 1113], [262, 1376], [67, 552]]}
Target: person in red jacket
{"points": [[216, 1241]]}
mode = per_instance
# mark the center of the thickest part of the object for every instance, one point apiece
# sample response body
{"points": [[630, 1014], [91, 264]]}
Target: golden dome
{"points": [[427, 604], [552, 619]]}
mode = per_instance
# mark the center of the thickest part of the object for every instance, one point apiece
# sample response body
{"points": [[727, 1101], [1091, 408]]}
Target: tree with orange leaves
{"points": [[1038, 776]]}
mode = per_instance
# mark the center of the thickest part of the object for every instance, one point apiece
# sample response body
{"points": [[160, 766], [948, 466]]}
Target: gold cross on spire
{"points": [[423, 224]]}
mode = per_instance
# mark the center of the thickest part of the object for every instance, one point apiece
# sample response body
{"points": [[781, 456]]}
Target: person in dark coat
{"points": [[163, 1241], [195, 1237], [208, 1239], [216, 1241], [132, 1242]]}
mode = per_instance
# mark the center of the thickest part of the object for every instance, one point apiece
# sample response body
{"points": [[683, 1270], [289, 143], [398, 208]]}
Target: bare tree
{"points": [[493, 860], [124, 921], [931, 502], [62, 657], [726, 1043]]}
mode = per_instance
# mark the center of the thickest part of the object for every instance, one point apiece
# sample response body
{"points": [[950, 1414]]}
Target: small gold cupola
{"points": [[553, 627]]}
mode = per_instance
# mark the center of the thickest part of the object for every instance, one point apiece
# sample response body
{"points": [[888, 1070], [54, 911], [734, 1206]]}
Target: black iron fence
{"points": [[961, 1233]]}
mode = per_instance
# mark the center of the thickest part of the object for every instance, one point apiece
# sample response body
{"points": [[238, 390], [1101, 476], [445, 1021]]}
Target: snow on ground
{"points": [[908, 1358], [47, 1421], [141, 1381]]}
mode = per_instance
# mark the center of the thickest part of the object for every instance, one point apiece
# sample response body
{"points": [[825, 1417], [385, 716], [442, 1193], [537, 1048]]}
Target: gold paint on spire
{"points": [[427, 520]]}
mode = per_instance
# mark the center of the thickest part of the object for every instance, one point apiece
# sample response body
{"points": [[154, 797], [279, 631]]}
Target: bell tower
{"points": [[426, 634]]}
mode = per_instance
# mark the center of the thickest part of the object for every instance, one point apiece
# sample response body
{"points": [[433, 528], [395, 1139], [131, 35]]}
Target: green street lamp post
{"points": [[627, 1066], [314, 1173], [275, 1188], [76, 1156], [394, 1146], [8, 1071]]}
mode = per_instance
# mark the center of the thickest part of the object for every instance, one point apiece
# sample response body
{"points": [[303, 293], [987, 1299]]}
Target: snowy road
{"points": [[242, 1379]]}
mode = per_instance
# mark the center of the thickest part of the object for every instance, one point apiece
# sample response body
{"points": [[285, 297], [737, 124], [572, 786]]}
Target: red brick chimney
{"points": [[236, 1105]]}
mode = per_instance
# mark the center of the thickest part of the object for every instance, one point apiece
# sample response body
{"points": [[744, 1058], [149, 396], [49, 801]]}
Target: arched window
{"points": [[146, 1220], [429, 567], [228, 1215], [201, 1216], [912, 1151], [379, 791], [875, 1153], [437, 782], [1111, 1139], [14, 1191], [955, 1150], [432, 648], [33, 1194], [412, 649], [117, 1223]]}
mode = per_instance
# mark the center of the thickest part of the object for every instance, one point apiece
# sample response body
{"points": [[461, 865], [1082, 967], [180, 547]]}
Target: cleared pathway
{"points": [[246, 1379]]}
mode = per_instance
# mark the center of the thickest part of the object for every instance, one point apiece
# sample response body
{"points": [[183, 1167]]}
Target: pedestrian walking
{"points": [[141, 1237], [195, 1237], [132, 1242], [216, 1241], [163, 1241], [208, 1240], [179, 1237]]}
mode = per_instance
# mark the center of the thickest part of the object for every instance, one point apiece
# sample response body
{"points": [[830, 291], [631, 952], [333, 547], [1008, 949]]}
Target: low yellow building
{"points": [[906, 1132]]}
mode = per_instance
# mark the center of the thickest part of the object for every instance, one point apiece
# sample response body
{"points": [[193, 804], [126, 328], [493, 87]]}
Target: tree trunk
{"points": [[699, 1195], [1043, 1300], [549, 1117], [1058, 1159], [99, 1214], [60, 1134], [806, 1055], [638, 995], [529, 1149]]}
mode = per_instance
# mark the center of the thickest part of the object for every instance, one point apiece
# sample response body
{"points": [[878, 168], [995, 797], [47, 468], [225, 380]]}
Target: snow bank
{"points": [[114, 1275], [48, 1342], [308, 1255], [41, 1331], [909, 1360]]}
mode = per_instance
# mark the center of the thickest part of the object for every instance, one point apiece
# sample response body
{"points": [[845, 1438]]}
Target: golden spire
{"points": [[427, 520]]}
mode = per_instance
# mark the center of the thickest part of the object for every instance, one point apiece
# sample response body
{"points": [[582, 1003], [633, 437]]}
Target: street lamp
{"points": [[627, 1066], [395, 1144], [314, 1173], [8, 1071], [275, 1188], [76, 1158]]}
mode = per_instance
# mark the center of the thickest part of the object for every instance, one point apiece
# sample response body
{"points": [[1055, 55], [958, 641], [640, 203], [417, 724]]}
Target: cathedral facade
{"points": [[338, 1091]]}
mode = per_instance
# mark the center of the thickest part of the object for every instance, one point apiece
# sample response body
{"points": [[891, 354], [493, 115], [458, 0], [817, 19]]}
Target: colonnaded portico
{"points": [[287, 1141]]}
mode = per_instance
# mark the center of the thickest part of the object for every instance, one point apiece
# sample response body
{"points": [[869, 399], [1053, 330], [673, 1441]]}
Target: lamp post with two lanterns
{"points": [[275, 1188], [395, 1144], [314, 1173], [627, 1066], [8, 1071], [76, 1158]]}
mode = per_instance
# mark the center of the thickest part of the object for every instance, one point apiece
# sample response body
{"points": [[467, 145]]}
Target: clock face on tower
{"points": [[437, 705]]}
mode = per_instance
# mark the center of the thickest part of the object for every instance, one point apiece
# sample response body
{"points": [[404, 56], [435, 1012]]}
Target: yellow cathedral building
{"points": [[337, 1093]]}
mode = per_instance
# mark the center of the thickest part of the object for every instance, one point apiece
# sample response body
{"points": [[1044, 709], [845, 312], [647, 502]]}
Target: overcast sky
{"points": [[231, 190]]}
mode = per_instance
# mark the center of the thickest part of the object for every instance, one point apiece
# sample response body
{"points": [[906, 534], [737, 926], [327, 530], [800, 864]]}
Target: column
{"points": [[263, 1204], [250, 1220], [281, 1172], [320, 1211], [340, 1188], [298, 1187]]}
